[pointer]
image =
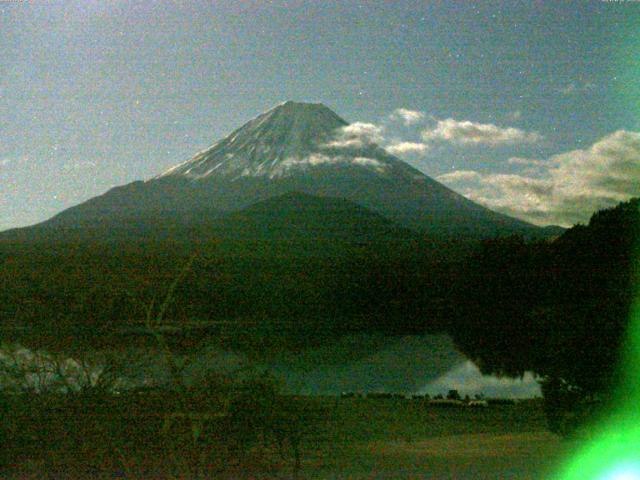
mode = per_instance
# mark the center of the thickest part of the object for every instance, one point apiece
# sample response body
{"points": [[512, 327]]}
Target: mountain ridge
{"points": [[305, 148]]}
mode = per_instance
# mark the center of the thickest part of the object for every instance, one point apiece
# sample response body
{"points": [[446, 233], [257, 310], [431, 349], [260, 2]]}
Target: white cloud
{"points": [[365, 161], [357, 135], [568, 188], [362, 129], [471, 133], [313, 160], [320, 159], [406, 116], [401, 148], [459, 176]]}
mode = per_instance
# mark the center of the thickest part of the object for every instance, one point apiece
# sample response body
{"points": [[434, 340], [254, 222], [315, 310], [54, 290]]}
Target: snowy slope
{"points": [[288, 140]]}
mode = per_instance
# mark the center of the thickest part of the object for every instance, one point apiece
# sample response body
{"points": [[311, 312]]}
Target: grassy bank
{"points": [[128, 436]]}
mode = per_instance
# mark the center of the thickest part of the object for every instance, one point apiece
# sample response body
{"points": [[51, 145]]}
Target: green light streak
{"points": [[614, 452]]}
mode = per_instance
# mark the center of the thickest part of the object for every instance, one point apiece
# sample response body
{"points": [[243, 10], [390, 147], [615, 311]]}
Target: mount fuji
{"points": [[293, 148]]}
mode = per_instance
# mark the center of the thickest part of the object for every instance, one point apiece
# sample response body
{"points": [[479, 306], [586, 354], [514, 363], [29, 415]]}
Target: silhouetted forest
{"points": [[242, 291], [558, 308]]}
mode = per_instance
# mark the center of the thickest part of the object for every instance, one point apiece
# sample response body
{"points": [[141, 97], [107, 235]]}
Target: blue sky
{"points": [[528, 107]]}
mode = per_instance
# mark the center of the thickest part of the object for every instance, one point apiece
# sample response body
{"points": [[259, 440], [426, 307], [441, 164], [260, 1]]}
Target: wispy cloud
{"points": [[568, 187], [367, 162], [460, 176], [406, 116], [321, 159], [403, 148], [466, 133], [357, 135]]}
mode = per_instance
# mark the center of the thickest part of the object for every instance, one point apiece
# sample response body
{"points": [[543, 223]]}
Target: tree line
{"points": [[557, 308]]}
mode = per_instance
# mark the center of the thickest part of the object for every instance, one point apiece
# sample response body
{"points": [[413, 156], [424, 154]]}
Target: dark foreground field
{"points": [[129, 437]]}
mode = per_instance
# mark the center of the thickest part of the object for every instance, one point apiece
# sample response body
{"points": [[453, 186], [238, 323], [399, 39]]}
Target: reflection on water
{"points": [[468, 380], [367, 363], [360, 363]]}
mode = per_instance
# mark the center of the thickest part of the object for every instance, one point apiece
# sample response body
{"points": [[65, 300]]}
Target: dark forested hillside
{"points": [[291, 269], [560, 309]]}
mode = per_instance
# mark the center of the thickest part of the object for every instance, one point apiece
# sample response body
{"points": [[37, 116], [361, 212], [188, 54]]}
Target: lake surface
{"points": [[428, 364]]}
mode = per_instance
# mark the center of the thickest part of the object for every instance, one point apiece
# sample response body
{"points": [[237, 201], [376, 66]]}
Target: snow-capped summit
{"points": [[289, 138]]}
